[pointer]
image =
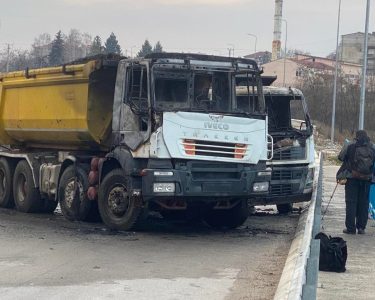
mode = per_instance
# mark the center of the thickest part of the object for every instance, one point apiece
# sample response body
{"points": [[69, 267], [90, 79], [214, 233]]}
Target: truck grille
{"points": [[291, 153], [286, 174], [281, 189], [218, 149]]}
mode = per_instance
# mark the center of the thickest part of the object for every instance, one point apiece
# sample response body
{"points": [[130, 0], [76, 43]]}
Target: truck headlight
{"points": [[164, 187], [310, 177], [261, 186]]}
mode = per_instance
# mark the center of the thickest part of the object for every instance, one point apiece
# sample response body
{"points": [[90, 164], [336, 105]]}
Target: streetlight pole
{"points": [[286, 39], [231, 49], [364, 71], [256, 40], [335, 80]]}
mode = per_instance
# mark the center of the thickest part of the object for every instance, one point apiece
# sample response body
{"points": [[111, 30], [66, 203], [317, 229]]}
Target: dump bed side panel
{"points": [[67, 108]]}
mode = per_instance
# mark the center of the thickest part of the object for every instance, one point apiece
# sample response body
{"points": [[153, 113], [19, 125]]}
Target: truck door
{"points": [[135, 112]]}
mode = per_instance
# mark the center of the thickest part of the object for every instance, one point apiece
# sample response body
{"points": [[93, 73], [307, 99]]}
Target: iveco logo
{"points": [[216, 118], [215, 125]]}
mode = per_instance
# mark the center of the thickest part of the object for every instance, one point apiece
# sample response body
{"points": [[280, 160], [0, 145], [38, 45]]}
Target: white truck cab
{"points": [[293, 158]]}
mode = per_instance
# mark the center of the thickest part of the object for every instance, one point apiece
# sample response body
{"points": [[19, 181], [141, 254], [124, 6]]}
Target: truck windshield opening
{"points": [[209, 91], [171, 90], [212, 91]]}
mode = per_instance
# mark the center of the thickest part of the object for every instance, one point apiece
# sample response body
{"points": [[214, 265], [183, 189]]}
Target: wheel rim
{"points": [[118, 200], [21, 188], [70, 192], [3, 182]]}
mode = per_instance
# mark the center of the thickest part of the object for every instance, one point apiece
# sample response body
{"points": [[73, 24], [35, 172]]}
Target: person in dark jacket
{"points": [[357, 185]]}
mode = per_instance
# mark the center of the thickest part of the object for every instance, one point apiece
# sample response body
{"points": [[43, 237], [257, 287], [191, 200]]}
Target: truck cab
{"points": [[293, 158], [184, 141]]}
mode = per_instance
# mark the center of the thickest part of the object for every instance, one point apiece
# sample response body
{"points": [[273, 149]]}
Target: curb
{"points": [[293, 277]]}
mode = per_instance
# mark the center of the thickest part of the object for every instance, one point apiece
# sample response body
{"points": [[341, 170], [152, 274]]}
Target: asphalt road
{"points": [[48, 257]]}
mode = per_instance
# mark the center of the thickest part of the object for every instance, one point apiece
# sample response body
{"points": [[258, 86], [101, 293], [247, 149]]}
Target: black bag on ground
{"points": [[333, 253]]}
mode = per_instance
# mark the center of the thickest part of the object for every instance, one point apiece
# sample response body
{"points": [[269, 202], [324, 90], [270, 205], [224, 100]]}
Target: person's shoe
{"points": [[361, 231], [348, 231]]}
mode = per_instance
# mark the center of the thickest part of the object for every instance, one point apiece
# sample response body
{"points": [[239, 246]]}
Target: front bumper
{"points": [[289, 184], [207, 181]]}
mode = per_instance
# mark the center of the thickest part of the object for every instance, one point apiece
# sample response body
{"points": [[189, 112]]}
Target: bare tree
{"points": [[73, 46], [318, 89], [40, 50]]}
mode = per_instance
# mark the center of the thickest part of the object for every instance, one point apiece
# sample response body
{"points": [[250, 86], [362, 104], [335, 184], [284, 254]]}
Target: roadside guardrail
{"points": [[300, 275]]}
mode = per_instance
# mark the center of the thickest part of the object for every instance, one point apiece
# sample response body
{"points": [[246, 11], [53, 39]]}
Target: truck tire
{"points": [[72, 194], [26, 196], [117, 208], [227, 219], [284, 208], [6, 183]]}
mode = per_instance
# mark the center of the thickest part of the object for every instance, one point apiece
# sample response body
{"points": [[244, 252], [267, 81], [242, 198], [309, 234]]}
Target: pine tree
{"points": [[112, 45], [96, 46], [146, 49], [56, 56], [158, 48]]}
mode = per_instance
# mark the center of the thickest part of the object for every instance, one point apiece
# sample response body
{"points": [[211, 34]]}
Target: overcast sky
{"points": [[209, 26]]}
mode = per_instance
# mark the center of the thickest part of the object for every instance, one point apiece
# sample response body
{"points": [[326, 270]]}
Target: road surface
{"points": [[48, 257]]}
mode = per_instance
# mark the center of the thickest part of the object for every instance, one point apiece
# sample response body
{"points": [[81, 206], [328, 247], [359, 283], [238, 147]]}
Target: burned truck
{"points": [[121, 137], [293, 158]]}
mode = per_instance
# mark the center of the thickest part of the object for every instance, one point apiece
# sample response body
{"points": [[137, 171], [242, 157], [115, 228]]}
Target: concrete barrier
{"points": [[293, 278]]}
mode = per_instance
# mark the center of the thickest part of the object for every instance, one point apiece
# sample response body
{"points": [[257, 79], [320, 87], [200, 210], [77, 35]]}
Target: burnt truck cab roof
{"points": [[208, 61], [199, 82]]}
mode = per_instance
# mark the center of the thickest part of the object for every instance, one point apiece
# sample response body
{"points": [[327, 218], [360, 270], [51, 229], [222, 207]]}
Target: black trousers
{"points": [[357, 204]]}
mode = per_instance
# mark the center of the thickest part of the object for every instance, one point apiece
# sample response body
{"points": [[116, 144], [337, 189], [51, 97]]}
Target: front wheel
{"points": [[118, 209], [228, 218]]}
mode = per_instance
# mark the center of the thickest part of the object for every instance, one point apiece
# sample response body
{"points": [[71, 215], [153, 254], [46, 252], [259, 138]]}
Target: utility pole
{"points": [[231, 49], [364, 71], [335, 80], [256, 39], [286, 39]]}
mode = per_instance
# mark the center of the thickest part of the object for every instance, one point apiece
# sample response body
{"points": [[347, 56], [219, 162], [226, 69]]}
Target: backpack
{"points": [[361, 161], [333, 253]]}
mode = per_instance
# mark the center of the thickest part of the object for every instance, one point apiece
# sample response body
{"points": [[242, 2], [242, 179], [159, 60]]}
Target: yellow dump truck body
{"points": [[61, 107]]}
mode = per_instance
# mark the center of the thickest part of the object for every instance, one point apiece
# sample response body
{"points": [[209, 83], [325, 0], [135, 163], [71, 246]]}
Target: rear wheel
{"points": [[72, 196], [284, 208], [26, 195], [6, 185], [228, 218], [118, 209]]}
